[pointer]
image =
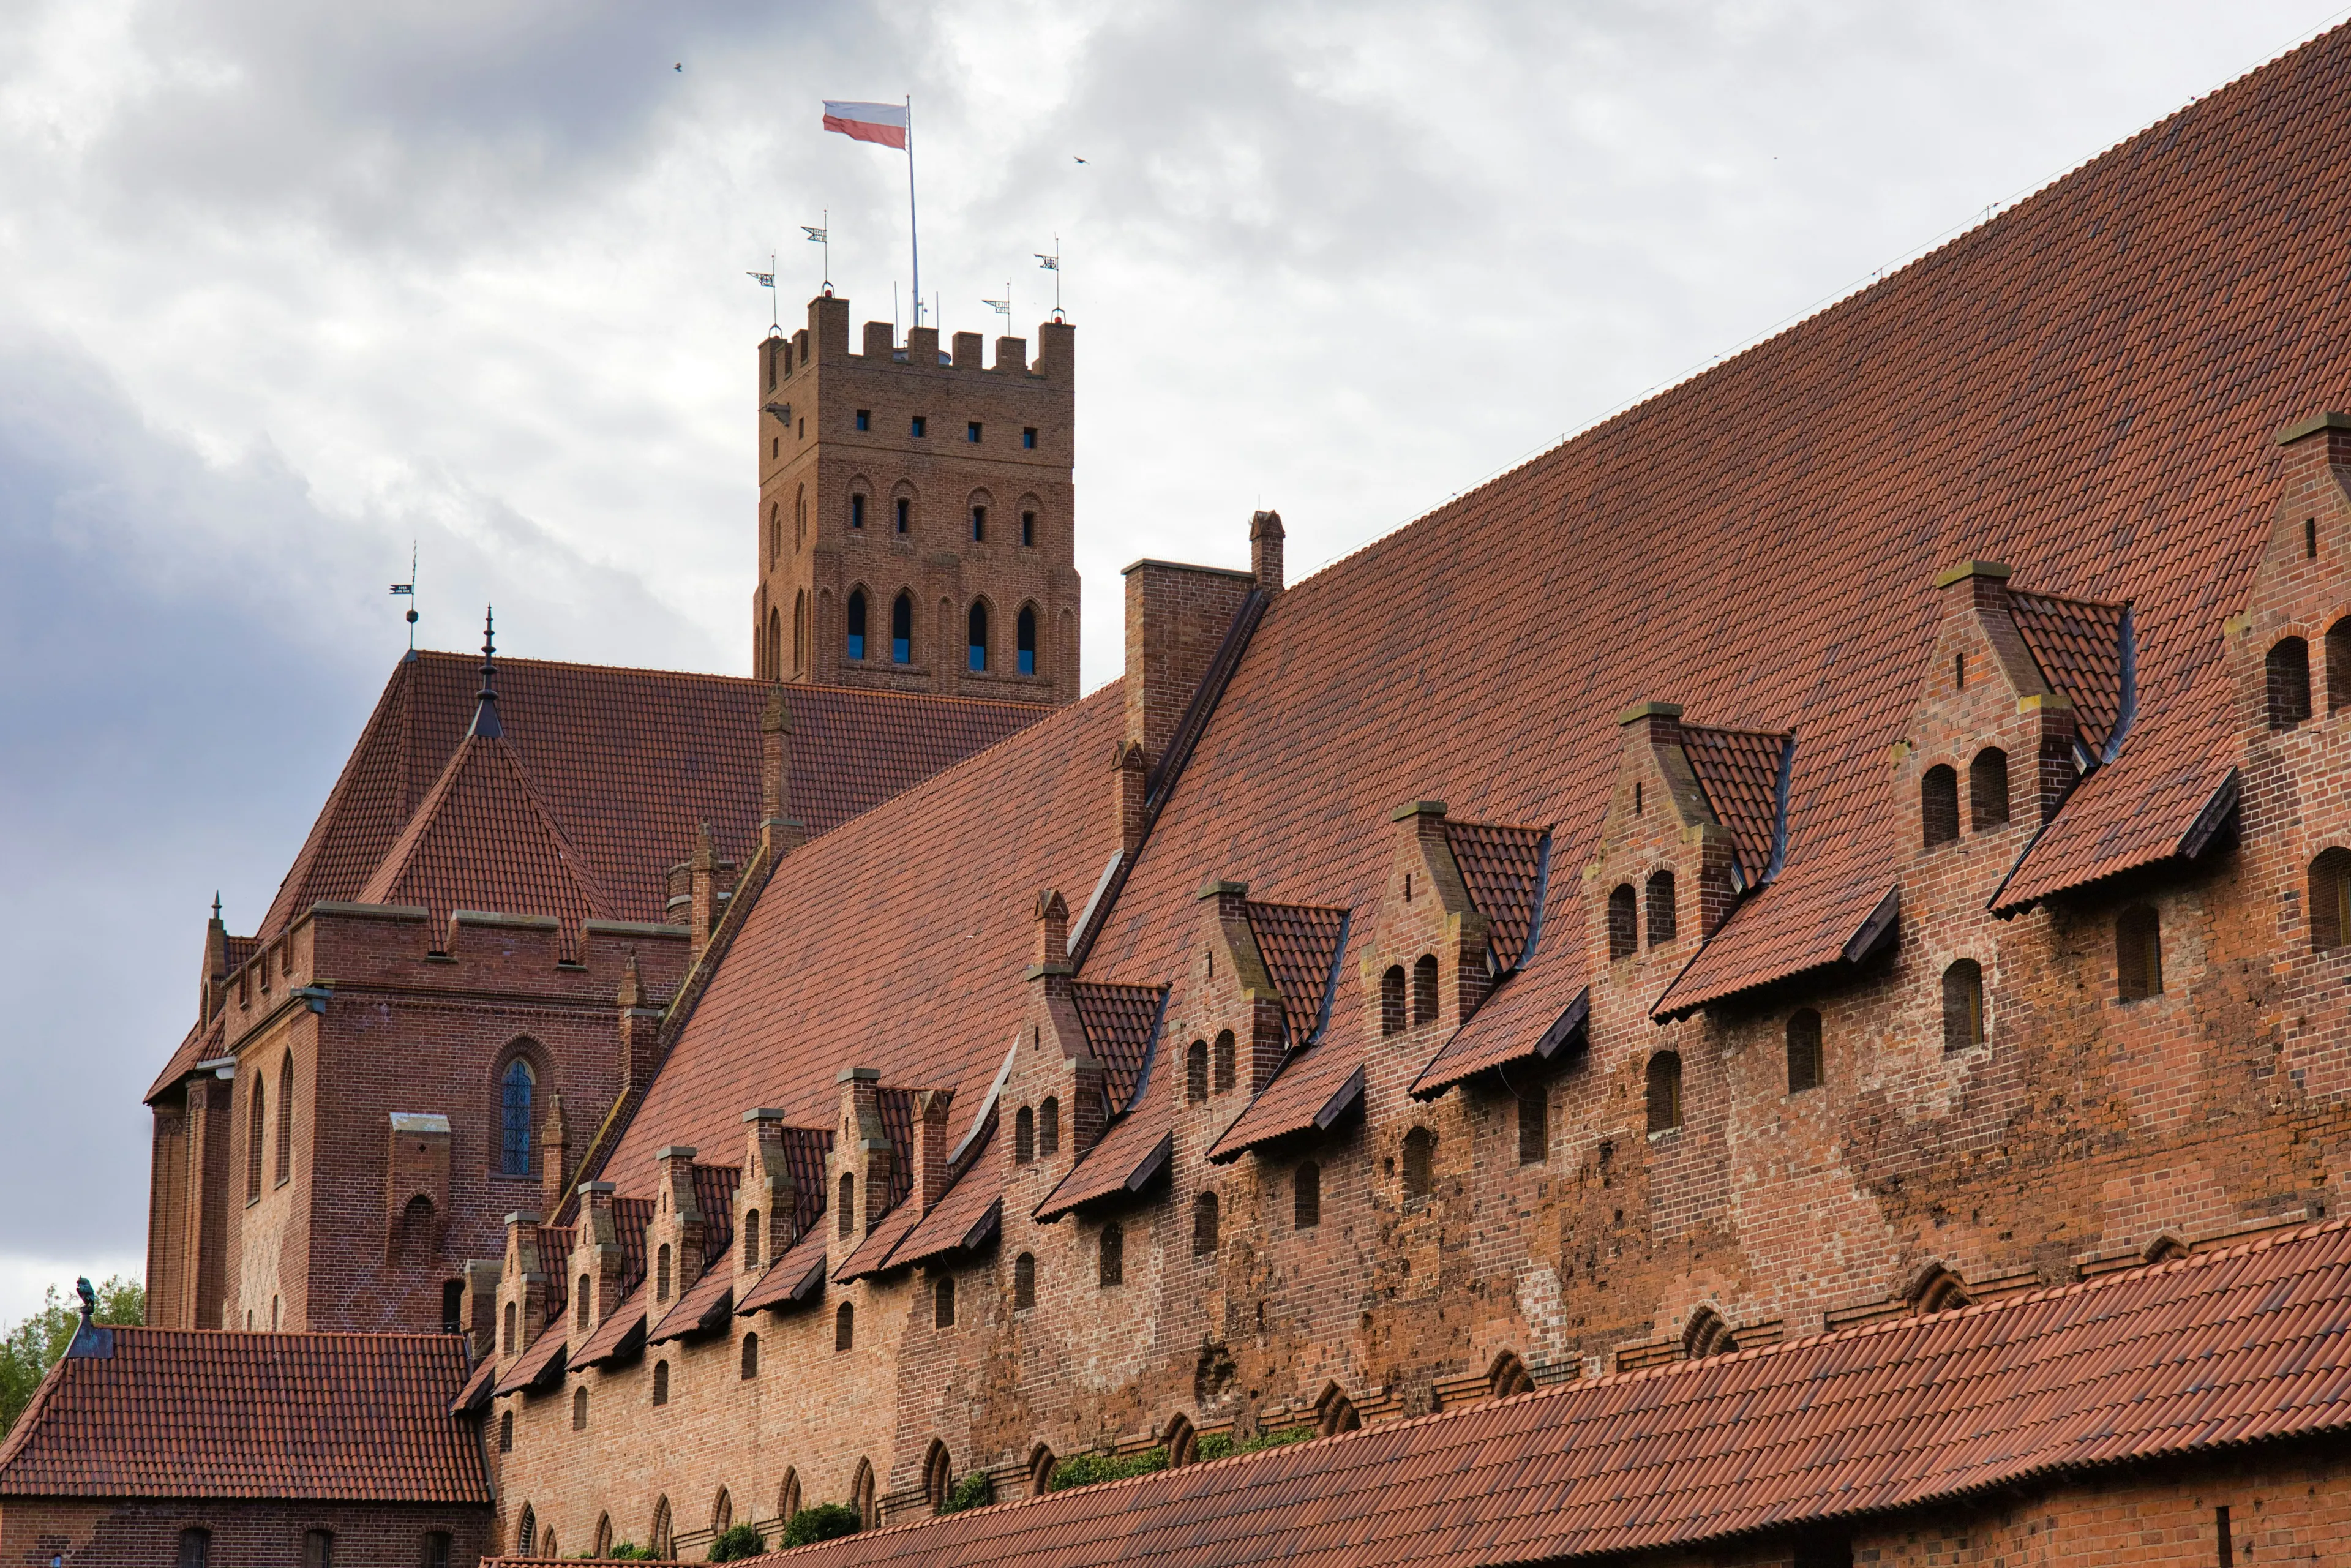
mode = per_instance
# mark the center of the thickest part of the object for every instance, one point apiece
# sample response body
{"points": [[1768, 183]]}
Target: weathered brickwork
{"points": [[142, 1534], [898, 470]]}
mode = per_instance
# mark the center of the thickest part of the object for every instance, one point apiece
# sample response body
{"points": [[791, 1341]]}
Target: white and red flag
{"points": [[882, 122]]}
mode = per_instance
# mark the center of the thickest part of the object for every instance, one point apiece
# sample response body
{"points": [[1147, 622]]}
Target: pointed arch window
{"points": [[857, 623], [286, 1119], [659, 1541], [256, 1122], [978, 634], [515, 1089], [902, 630], [1024, 632], [799, 632]]}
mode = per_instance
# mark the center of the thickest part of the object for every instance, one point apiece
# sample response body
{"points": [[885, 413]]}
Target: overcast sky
{"points": [[286, 286]]}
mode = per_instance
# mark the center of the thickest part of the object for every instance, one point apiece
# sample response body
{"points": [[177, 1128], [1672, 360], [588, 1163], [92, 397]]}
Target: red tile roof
{"points": [[1122, 1027], [545, 1355], [1300, 946], [1739, 771], [619, 1333], [714, 1194], [791, 1279], [1534, 1016], [186, 1413], [2085, 387], [962, 1221], [1130, 1158], [701, 1309], [629, 762], [895, 943], [482, 839], [2079, 646], [2215, 1350]]}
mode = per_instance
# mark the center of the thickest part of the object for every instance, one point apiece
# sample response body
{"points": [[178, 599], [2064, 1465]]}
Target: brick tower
{"points": [[916, 525]]}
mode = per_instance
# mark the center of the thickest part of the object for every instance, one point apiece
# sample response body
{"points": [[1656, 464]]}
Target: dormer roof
{"points": [[1299, 945], [2078, 643]]}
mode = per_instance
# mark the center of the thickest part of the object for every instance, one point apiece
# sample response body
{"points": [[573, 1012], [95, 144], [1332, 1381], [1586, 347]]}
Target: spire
{"points": [[486, 706]]}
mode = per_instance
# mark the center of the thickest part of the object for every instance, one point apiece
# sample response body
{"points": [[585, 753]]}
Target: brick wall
{"points": [[144, 1535]]}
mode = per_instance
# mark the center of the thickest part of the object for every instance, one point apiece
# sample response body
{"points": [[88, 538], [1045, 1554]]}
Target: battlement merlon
{"points": [[825, 341]]}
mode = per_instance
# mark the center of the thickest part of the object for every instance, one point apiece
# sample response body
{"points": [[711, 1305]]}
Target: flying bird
{"points": [[680, 65], [1075, 155]]}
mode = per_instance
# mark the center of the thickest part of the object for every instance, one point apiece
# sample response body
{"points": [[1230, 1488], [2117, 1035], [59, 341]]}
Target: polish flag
{"points": [[882, 122]]}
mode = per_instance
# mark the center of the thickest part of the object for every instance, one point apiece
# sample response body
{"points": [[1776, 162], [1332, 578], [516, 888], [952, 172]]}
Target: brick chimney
{"points": [[640, 1031], [678, 1220], [596, 1252], [931, 1145], [1052, 952], [781, 834], [702, 868], [554, 1165], [1131, 775], [1177, 618], [1265, 550], [768, 1188]]}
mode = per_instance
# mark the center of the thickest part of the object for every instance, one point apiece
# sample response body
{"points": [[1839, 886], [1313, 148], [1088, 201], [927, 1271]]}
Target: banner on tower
{"points": [[882, 122]]}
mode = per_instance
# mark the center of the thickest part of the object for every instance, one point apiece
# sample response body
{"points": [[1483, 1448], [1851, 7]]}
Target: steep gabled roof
{"points": [[2079, 646], [1122, 1027], [1739, 771], [1300, 947], [629, 762], [1503, 869], [196, 1413], [482, 839], [2212, 1352]]}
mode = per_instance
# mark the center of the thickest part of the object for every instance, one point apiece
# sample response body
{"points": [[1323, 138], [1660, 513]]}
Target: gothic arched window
{"points": [[857, 623], [1024, 636], [978, 620], [515, 1090], [902, 630]]}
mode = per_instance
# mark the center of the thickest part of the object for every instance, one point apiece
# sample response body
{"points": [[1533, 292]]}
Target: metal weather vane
{"points": [[767, 280], [821, 233], [408, 590]]}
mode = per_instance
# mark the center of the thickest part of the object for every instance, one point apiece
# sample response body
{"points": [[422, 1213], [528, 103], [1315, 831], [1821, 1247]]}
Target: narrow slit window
{"points": [[1024, 1283], [848, 1204], [1204, 1226], [1803, 1051], [857, 512], [2287, 674], [2338, 665], [865, 419], [918, 427], [1964, 1008], [1049, 1126], [1392, 1013], [905, 514], [2139, 954], [1424, 989], [1624, 922], [1418, 1148], [1534, 1128], [1195, 1072], [1987, 790], [980, 525], [1028, 438], [1939, 806], [1306, 1196], [1664, 1092], [1028, 528], [1664, 919], [971, 432]]}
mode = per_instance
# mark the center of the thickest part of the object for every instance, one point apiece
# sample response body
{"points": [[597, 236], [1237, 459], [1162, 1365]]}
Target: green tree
{"points": [[738, 1541], [825, 1521], [31, 1346]]}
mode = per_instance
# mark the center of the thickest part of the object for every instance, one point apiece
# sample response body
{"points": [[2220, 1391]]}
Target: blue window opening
{"points": [[919, 427], [979, 636], [856, 511], [902, 630], [1028, 438], [971, 432], [514, 1119], [1026, 638], [857, 625], [980, 525], [865, 419]]}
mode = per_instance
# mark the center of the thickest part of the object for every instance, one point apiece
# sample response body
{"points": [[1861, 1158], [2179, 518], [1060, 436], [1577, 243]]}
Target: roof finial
{"points": [[216, 904], [486, 705]]}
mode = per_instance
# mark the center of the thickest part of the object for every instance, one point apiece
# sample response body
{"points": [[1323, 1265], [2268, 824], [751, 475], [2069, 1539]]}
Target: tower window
{"points": [[978, 636], [857, 625], [1025, 635], [1987, 790], [579, 1408], [1939, 806], [1665, 1086], [971, 432], [1195, 1072], [1624, 928], [856, 511], [1662, 922], [1803, 1051], [905, 513], [848, 1205], [902, 630], [918, 426], [1024, 1137], [2139, 954], [1028, 438], [1963, 1020], [865, 419], [1028, 529], [1424, 989], [980, 525], [2288, 675], [1306, 1196], [751, 1240], [1392, 1013]]}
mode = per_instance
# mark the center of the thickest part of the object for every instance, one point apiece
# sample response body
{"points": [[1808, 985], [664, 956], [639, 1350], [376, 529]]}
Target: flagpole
{"points": [[914, 229]]}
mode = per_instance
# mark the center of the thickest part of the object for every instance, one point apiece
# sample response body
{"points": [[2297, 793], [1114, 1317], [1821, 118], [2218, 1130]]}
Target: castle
{"points": [[1765, 988]]}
